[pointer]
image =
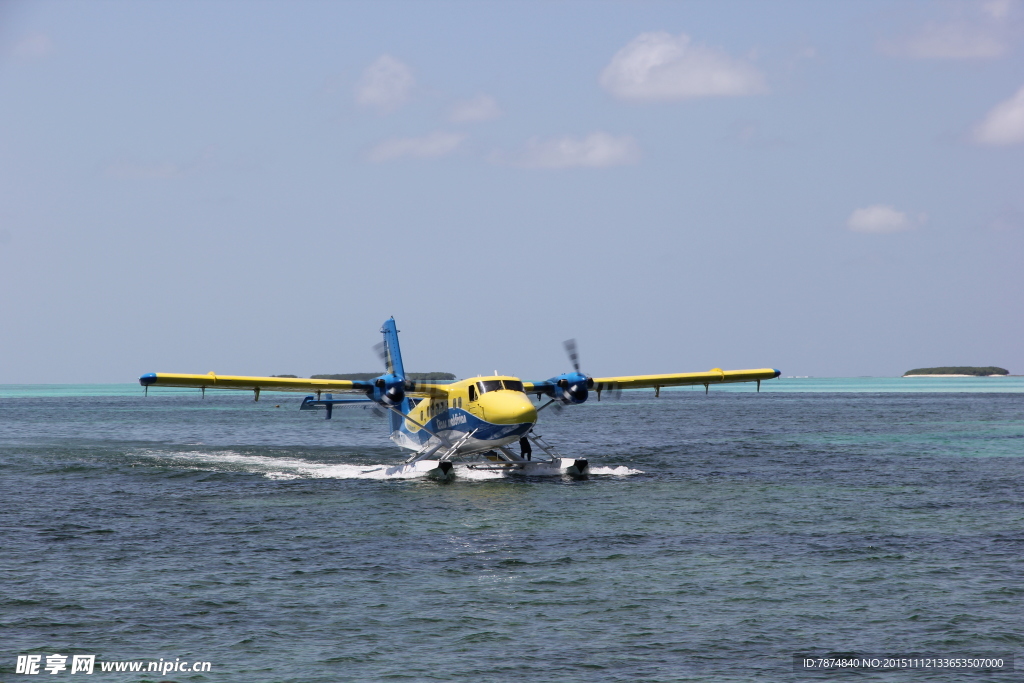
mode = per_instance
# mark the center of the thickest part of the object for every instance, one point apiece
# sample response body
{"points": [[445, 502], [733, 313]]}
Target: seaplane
{"points": [[472, 421]]}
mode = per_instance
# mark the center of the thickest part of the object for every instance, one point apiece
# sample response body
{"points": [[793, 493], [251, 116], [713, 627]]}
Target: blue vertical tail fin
{"points": [[392, 354], [392, 351]]}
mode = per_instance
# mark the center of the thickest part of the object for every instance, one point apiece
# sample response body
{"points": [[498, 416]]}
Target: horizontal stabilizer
{"points": [[311, 403]]}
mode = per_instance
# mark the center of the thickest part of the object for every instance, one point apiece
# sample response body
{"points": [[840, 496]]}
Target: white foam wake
{"points": [[291, 468], [620, 471]]}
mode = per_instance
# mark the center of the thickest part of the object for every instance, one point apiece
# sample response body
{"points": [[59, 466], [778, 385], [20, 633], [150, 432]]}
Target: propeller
{"points": [[575, 384], [391, 390], [574, 356], [381, 349]]}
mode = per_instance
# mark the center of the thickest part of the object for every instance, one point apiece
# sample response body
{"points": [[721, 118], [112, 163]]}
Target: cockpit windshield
{"points": [[498, 385]]}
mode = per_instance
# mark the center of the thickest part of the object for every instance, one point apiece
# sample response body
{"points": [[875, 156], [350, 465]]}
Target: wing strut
{"points": [[421, 426], [545, 405]]}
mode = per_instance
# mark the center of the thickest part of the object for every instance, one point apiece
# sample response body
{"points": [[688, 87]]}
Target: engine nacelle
{"points": [[571, 388], [389, 390]]}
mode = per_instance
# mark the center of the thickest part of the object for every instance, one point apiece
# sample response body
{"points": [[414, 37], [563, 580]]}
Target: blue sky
{"points": [[830, 189]]}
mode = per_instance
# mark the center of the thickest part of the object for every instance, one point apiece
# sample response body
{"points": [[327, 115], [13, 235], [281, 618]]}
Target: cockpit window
{"points": [[489, 385], [498, 385]]}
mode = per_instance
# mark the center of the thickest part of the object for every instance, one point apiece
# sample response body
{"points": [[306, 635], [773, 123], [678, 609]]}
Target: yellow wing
{"points": [[339, 386], [680, 379], [215, 381]]}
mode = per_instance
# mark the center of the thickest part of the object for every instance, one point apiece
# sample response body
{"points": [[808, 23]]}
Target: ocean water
{"points": [[719, 536]]}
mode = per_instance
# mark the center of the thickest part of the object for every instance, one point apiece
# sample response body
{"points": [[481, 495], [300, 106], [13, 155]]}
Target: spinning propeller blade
{"points": [[381, 350], [574, 357], [574, 384]]}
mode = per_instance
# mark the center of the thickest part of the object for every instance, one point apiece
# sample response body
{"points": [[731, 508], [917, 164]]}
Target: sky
{"points": [[830, 189]]}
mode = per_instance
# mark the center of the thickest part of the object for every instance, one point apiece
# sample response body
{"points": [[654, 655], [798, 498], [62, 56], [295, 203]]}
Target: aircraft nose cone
{"points": [[508, 407], [527, 413]]}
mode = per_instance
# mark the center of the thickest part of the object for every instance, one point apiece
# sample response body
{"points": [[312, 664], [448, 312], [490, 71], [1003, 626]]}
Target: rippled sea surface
{"points": [[720, 535]]}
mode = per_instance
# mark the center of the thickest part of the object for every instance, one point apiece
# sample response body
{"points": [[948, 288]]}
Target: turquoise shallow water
{"points": [[720, 535]]}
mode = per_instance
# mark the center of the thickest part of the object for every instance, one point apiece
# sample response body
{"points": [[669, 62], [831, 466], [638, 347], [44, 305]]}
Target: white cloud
{"points": [[979, 30], [659, 66], [1004, 125], [953, 40], [597, 150], [33, 46], [480, 108], [436, 144], [386, 84], [998, 9], [880, 218]]}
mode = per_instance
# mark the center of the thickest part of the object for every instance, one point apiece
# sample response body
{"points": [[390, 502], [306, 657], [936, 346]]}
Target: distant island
{"points": [[421, 376], [958, 371]]}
